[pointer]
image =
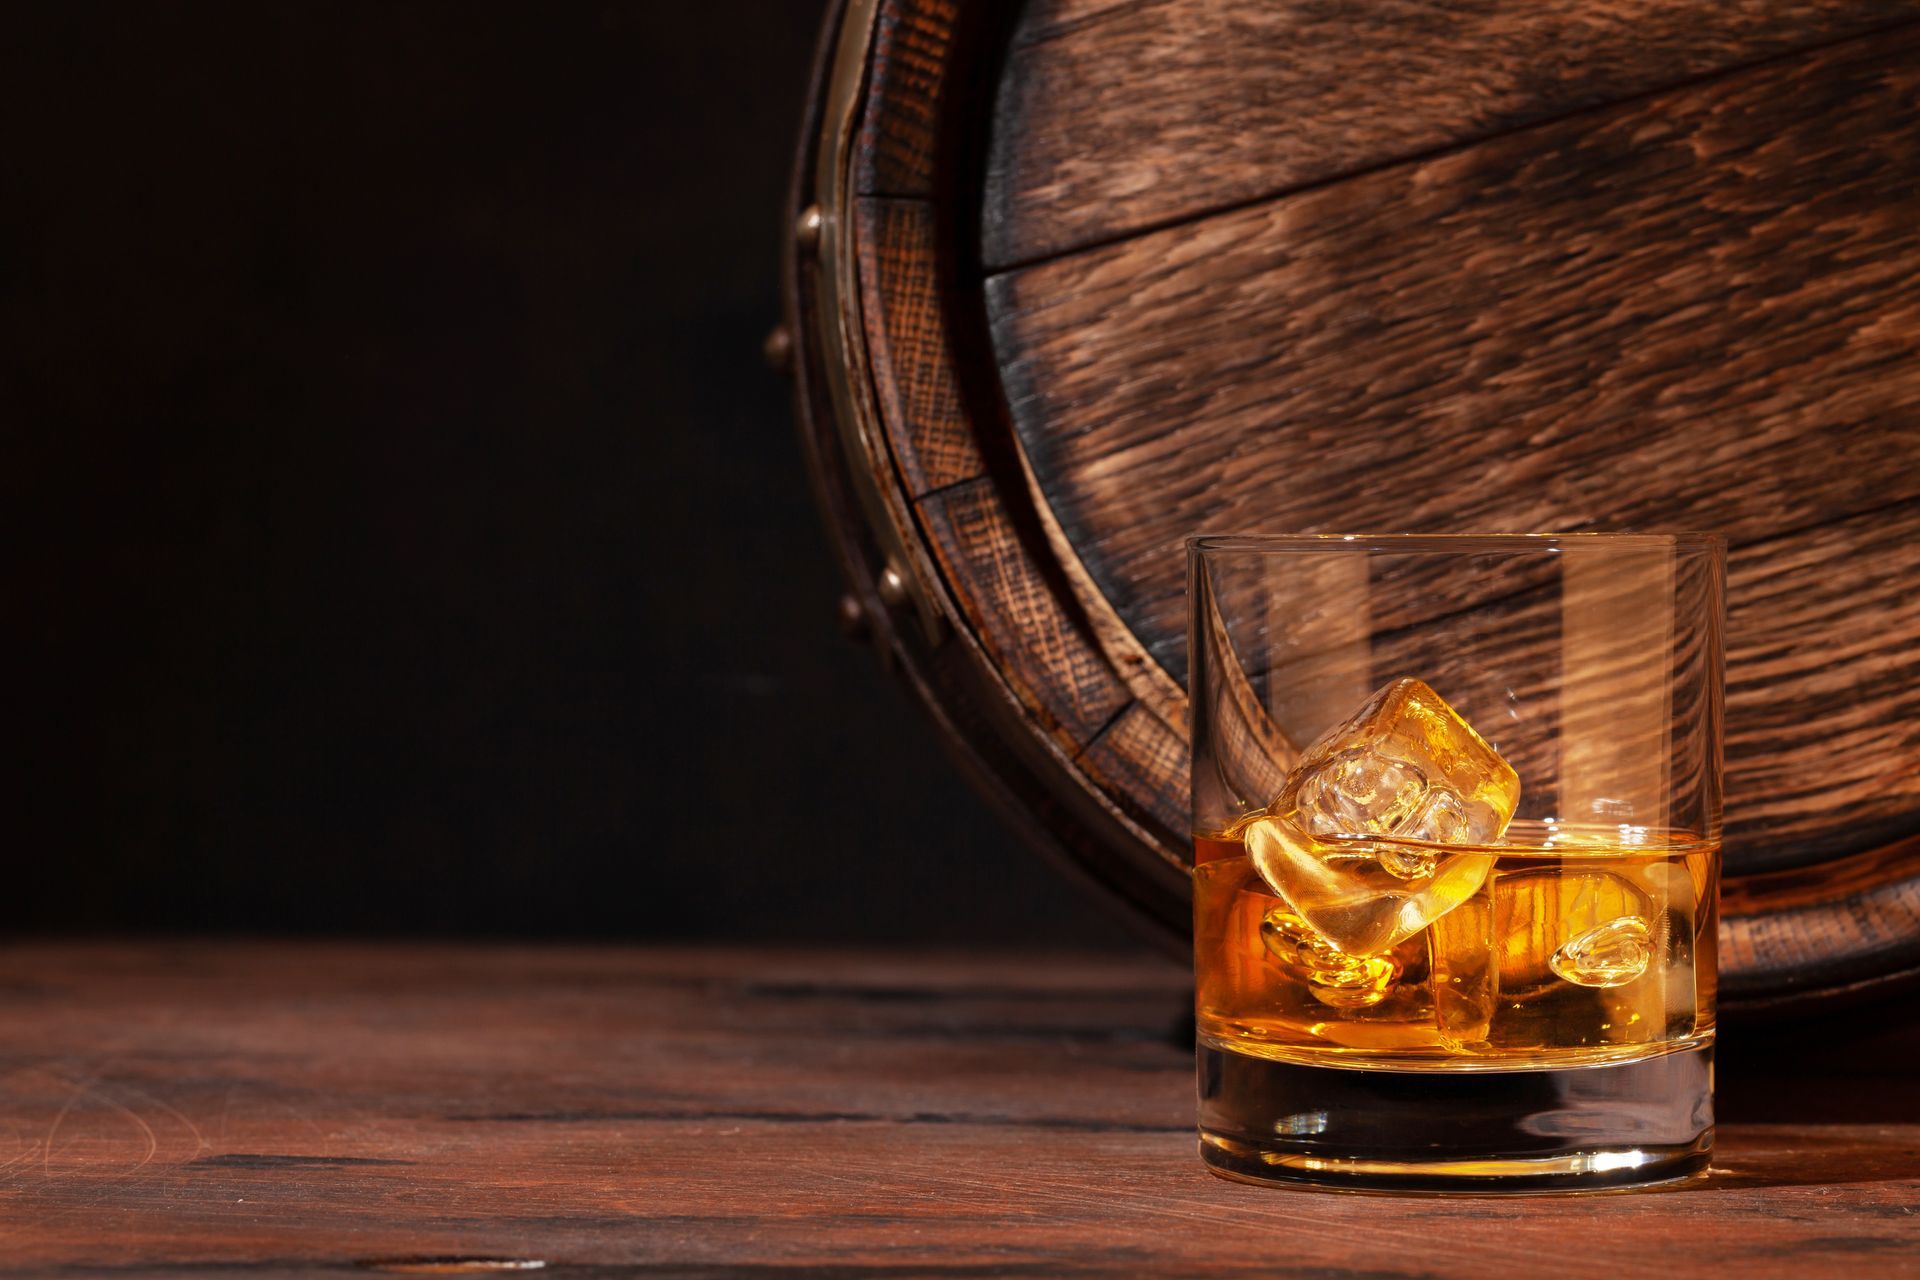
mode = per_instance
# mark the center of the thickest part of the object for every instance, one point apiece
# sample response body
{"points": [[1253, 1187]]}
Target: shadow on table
{"points": [[1811, 1100], [1751, 1157], [1852, 1066]]}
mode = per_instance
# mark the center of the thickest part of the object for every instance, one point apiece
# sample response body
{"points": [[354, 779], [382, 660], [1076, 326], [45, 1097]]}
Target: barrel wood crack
{"points": [[1745, 356], [1248, 101]]}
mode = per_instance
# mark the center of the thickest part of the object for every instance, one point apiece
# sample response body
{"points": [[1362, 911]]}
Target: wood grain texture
{"points": [[1018, 758], [1830, 926], [908, 67], [902, 309], [1823, 690], [1115, 117], [1689, 307], [1142, 762], [280, 1111], [1015, 613], [1691, 311]]}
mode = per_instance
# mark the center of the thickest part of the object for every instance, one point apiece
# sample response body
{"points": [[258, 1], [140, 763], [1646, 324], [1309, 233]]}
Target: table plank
{"points": [[283, 1109]]}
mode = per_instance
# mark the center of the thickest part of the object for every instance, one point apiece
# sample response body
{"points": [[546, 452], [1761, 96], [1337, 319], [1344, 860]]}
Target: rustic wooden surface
{"points": [[1690, 311], [329, 1109], [1114, 118], [912, 54], [1048, 661], [913, 371], [971, 555], [1296, 266]]}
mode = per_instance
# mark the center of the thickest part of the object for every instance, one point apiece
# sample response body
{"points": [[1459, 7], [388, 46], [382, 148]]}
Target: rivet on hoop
{"points": [[778, 349], [854, 623], [892, 587], [808, 230]]}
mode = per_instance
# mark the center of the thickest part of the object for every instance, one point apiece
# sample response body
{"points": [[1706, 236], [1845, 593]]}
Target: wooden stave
{"points": [[980, 726]]}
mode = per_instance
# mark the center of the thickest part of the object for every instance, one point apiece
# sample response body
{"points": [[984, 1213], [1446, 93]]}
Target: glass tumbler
{"points": [[1456, 813]]}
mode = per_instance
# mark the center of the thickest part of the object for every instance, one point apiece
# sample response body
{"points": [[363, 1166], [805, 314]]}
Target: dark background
{"points": [[405, 533]]}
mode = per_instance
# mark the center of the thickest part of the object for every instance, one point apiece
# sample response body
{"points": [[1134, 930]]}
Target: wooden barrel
{"points": [[1072, 279]]}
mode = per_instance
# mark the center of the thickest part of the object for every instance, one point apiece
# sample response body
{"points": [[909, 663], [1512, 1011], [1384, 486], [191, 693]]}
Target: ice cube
{"points": [[1342, 890], [1334, 978], [1581, 962], [1608, 955], [1674, 888], [1465, 975], [1404, 766], [1561, 925], [1356, 790]]}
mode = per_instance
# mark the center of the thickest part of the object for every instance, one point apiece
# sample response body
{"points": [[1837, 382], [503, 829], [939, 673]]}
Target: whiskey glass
{"points": [[1457, 817]]}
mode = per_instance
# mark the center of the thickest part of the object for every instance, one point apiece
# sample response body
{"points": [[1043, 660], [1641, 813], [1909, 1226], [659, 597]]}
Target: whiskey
{"points": [[1581, 946]]}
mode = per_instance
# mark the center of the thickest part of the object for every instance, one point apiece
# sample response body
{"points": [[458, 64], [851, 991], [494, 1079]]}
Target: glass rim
{"points": [[1451, 543]]}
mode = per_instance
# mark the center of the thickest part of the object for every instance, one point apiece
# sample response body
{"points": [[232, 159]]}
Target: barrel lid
{"points": [[1071, 281]]}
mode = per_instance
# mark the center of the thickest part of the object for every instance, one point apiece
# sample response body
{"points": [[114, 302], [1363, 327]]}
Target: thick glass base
{"points": [[1571, 1129]]}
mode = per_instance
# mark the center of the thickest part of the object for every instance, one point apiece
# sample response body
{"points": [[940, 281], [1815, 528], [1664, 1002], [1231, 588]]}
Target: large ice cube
{"points": [[1334, 977], [1584, 925], [1404, 766], [1462, 956], [1585, 957]]}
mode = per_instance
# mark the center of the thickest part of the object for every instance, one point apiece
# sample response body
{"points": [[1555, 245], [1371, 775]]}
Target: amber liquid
{"points": [[1583, 947]]}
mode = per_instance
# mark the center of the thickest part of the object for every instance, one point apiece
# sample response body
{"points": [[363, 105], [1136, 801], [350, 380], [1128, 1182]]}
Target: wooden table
{"points": [[282, 1109]]}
